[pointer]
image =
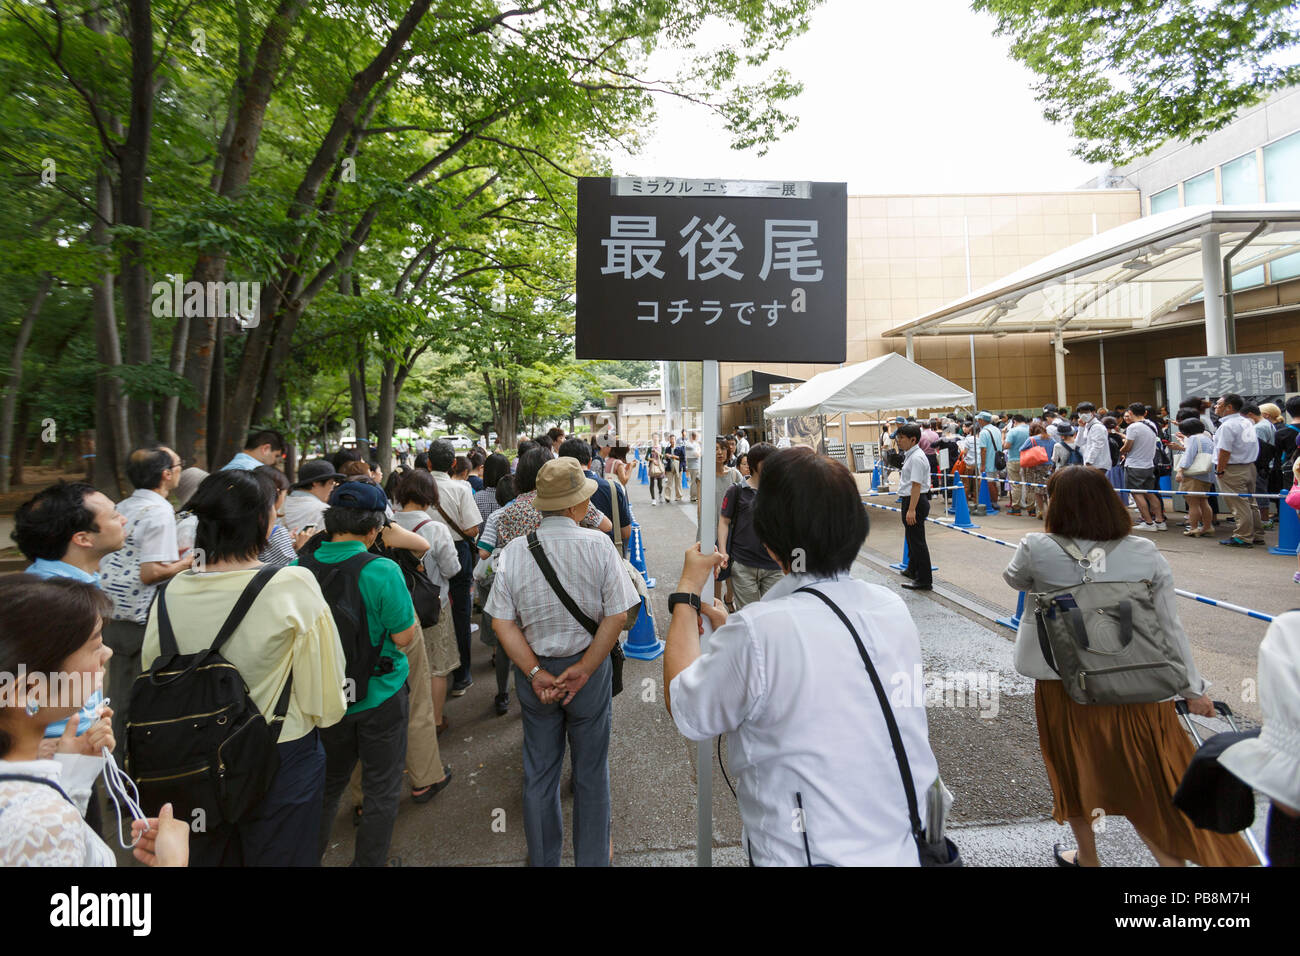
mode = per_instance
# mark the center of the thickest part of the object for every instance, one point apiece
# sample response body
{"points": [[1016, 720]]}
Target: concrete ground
{"points": [[986, 743]]}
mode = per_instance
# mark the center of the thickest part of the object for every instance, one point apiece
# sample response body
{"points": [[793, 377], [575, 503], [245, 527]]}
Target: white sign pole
{"points": [[708, 538]]}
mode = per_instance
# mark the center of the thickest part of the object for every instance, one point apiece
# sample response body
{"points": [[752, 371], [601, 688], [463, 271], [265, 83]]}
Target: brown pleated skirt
{"points": [[1126, 760]]}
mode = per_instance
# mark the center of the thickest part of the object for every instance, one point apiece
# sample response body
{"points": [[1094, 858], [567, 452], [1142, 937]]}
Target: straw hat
{"points": [[1271, 762], [561, 485]]}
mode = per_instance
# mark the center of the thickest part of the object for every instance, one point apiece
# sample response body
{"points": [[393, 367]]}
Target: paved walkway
{"points": [[986, 745]]}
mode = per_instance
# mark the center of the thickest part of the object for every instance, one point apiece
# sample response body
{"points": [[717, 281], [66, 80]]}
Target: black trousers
{"points": [[918, 552]]}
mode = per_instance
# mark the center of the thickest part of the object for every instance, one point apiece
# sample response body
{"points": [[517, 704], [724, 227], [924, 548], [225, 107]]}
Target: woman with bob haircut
{"points": [[288, 632], [54, 627], [784, 677], [1125, 759]]}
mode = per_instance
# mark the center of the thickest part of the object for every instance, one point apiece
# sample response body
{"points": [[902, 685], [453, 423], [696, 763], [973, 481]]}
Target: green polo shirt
{"points": [[388, 611]]}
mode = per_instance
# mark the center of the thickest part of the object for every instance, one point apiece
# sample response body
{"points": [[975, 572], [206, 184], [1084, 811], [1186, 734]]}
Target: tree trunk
{"points": [[112, 437], [19, 459], [192, 427], [357, 388], [133, 161], [387, 413], [217, 430], [16, 376]]}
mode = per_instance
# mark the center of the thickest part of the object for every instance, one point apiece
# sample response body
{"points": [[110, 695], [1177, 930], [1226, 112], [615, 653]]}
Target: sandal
{"points": [[1060, 856]]}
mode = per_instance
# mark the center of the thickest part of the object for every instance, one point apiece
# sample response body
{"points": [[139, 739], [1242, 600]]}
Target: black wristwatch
{"points": [[683, 597]]}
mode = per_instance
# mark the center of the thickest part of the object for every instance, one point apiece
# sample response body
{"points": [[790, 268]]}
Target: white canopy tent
{"points": [[888, 382]]}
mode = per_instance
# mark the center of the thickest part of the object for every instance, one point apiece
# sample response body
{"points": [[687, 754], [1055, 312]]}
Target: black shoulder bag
{"points": [[616, 656], [930, 854]]}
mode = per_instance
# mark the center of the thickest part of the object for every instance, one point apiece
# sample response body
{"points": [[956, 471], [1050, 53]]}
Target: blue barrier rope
{"points": [[1143, 491], [1213, 602]]}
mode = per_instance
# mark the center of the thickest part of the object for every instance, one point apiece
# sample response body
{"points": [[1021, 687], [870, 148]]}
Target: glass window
{"points": [[1282, 170], [1248, 279], [1288, 267], [1240, 181], [1164, 201], [1200, 191]]}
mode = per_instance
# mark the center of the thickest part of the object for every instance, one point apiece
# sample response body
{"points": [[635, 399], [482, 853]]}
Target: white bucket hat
{"points": [[1271, 762]]}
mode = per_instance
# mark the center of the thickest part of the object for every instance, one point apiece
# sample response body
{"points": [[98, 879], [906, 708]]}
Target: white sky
{"points": [[915, 97]]}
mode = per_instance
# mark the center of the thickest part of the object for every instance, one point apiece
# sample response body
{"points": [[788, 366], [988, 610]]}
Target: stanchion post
{"points": [[1013, 621], [1288, 529]]}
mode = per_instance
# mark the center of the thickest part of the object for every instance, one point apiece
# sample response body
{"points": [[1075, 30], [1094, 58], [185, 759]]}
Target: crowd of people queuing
{"points": [[345, 600], [1225, 455]]}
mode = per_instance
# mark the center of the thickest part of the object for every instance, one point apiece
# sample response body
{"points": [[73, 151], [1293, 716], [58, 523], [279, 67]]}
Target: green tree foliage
{"points": [[1128, 75]]}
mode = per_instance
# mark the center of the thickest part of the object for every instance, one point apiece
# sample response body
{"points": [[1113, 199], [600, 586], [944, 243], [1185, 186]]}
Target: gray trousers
{"points": [[377, 737], [585, 722], [749, 584], [125, 638]]}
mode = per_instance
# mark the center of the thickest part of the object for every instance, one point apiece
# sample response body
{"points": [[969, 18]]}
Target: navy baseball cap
{"points": [[362, 495]]}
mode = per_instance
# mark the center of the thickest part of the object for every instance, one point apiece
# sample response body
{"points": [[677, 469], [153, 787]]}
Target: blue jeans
{"points": [[586, 724]]}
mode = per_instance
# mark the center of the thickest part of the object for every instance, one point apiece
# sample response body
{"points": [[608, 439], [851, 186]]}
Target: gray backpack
{"points": [[1104, 639]]}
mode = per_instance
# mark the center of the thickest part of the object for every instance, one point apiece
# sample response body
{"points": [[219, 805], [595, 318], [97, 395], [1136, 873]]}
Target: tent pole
{"points": [[708, 539]]}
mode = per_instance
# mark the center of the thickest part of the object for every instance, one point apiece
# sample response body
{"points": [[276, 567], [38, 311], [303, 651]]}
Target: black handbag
{"points": [[616, 655], [930, 854]]}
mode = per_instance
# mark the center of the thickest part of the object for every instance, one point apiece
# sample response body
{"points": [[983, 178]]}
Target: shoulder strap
{"points": [[167, 637], [28, 778], [1069, 547], [535, 548], [895, 738], [246, 599], [454, 526], [421, 524]]}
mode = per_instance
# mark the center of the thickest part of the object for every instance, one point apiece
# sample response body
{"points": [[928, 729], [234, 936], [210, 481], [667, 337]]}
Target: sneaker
{"points": [[458, 689], [1161, 526], [1144, 526], [501, 703], [1296, 579], [1258, 541], [1235, 542], [1269, 525], [1015, 511]]}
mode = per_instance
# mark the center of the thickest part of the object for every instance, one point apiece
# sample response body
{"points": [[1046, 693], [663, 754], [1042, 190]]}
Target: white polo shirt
{"points": [[1237, 436], [784, 679]]}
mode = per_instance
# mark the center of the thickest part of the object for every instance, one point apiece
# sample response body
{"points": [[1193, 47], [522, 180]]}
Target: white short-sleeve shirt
{"points": [[457, 499], [150, 536], [784, 679]]}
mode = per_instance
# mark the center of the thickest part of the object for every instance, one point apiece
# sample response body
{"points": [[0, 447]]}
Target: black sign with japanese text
{"points": [[693, 269]]}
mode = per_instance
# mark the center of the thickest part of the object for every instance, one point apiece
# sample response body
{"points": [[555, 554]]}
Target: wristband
{"points": [[683, 597]]}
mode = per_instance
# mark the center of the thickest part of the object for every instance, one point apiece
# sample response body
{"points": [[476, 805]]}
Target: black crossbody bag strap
{"points": [[895, 738], [535, 548]]}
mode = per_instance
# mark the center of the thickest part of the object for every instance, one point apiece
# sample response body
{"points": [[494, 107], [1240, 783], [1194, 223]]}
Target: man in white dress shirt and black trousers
{"points": [[914, 499], [563, 672]]}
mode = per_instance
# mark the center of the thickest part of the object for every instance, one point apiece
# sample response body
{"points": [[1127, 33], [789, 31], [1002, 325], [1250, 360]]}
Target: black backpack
{"points": [[341, 585], [425, 595], [195, 738]]}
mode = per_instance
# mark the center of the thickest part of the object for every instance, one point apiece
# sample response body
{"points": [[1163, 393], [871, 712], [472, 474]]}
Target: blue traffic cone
{"points": [[636, 554], [642, 645], [636, 454], [686, 480], [1164, 483], [985, 498], [902, 565], [1013, 621], [875, 477], [643, 474], [960, 508], [1288, 529]]}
